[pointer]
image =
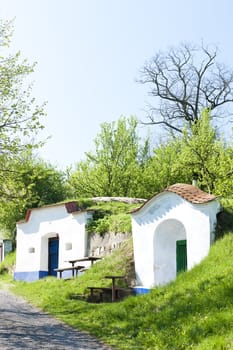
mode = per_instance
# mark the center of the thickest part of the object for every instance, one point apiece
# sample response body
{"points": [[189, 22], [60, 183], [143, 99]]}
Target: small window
{"points": [[31, 250], [68, 246]]}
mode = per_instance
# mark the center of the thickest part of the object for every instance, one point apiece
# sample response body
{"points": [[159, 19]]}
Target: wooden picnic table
{"points": [[113, 278], [73, 268], [85, 258]]}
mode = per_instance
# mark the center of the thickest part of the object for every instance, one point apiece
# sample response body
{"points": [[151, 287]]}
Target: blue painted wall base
{"points": [[30, 276], [141, 290]]}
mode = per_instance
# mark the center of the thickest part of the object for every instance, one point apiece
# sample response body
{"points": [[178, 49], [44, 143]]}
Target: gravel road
{"points": [[25, 327]]}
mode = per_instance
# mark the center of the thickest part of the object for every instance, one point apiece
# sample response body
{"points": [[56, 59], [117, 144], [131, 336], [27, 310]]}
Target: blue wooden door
{"points": [[53, 256]]}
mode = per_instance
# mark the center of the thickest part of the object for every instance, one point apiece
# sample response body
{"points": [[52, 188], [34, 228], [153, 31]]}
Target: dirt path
{"points": [[24, 327]]}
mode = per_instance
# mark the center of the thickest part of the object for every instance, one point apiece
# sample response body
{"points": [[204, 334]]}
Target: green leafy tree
{"points": [[37, 183], [116, 166], [44, 184], [19, 113], [198, 154], [223, 184], [207, 157], [164, 169]]}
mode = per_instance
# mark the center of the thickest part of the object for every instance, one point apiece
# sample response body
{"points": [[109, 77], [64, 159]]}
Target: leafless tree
{"points": [[184, 81]]}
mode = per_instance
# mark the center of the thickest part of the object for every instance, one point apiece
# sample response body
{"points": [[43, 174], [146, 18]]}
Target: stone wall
{"points": [[102, 245]]}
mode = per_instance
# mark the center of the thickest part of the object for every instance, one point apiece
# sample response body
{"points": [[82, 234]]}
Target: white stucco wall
{"points": [[156, 228], [44, 223]]}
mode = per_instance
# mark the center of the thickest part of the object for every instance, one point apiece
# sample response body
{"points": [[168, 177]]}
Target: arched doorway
{"points": [[170, 251]]}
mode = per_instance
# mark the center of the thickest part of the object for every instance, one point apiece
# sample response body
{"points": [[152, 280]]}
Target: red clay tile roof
{"points": [[189, 192], [71, 207]]}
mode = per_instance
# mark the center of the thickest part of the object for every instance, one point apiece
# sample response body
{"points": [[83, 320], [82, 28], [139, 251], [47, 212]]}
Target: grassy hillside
{"points": [[194, 312]]}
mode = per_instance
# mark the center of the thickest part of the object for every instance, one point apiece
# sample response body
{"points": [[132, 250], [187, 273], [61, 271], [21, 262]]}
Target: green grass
{"points": [[7, 265], [193, 312]]}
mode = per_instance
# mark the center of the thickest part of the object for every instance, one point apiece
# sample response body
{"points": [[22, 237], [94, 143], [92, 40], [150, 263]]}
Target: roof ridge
{"points": [[191, 193], [187, 191]]}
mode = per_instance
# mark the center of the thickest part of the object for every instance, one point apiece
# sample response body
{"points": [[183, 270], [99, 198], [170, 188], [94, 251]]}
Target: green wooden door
{"points": [[181, 256]]}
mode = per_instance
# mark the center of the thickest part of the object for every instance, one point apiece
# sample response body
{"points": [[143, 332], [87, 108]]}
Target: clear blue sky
{"points": [[89, 53]]}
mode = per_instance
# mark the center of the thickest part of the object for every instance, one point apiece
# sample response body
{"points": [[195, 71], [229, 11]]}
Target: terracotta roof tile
{"points": [[191, 193], [71, 207]]}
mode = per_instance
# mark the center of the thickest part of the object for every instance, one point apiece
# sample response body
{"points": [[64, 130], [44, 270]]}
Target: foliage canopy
{"points": [[114, 168]]}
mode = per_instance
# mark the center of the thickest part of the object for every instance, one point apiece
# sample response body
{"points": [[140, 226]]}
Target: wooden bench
{"points": [[101, 291], [123, 292], [108, 291], [71, 268]]}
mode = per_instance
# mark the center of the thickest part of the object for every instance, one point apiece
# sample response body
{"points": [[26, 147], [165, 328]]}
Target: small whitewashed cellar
{"points": [[172, 232], [49, 237]]}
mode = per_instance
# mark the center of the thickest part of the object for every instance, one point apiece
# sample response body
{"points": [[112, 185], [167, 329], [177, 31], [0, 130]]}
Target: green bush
{"points": [[7, 265], [110, 223], [110, 217]]}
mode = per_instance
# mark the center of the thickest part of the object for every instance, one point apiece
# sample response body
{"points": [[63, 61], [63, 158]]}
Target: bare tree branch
{"points": [[184, 81]]}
